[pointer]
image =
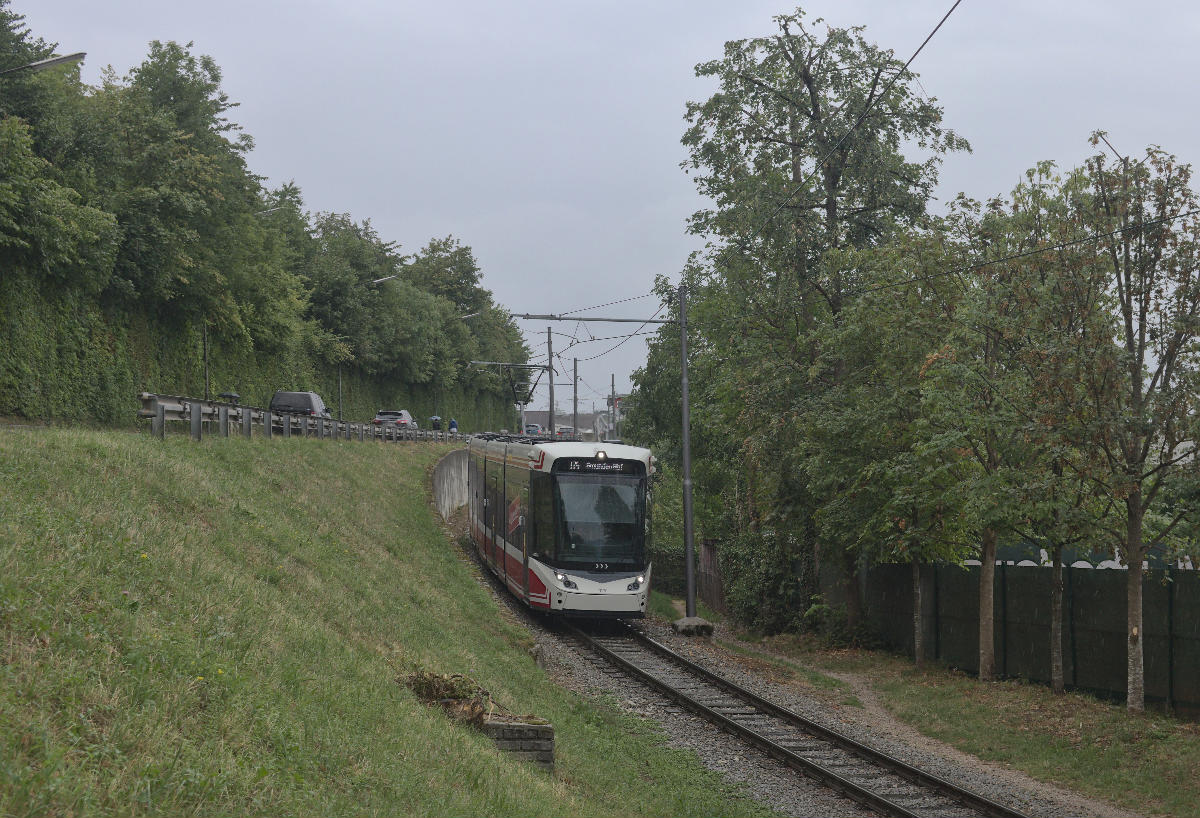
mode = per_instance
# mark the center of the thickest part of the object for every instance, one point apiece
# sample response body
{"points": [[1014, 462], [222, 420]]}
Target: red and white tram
{"points": [[564, 525]]}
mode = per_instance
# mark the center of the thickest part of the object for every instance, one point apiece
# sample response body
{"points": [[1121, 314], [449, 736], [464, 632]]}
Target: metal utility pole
{"points": [[550, 370], [575, 400], [204, 335], [612, 409], [689, 544]]}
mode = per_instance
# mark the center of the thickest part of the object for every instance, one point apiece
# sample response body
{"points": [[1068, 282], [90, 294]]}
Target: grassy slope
{"points": [[219, 628]]}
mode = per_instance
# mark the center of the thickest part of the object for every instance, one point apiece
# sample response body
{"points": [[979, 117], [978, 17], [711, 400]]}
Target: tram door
{"points": [[493, 494], [513, 525]]}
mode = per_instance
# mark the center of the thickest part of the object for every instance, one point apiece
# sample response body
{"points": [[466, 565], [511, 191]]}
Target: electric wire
{"points": [[608, 304], [625, 338]]}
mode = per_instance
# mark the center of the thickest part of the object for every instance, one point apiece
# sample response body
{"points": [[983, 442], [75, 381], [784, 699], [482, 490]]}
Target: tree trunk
{"points": [[850, 588], [918, 640], [987, 606], [1056, 617], [1135, 699]]}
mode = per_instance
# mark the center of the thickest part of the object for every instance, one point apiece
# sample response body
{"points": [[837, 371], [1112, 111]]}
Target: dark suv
{"points": [[299, 403]]}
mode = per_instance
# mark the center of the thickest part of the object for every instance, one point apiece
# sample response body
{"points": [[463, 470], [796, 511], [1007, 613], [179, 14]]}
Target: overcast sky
{"points": [[545, 135]]}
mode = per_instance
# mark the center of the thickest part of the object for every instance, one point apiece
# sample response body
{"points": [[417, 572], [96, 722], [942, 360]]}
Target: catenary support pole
{"points": [[575, 400], [689, 543], [550, 370]]}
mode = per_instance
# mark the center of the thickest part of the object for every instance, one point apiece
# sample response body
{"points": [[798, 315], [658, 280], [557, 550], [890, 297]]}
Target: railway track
{"points": [[875, 780]]}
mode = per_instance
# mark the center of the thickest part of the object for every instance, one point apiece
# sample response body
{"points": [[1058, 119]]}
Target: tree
{"points": [[1144, 375], [447, 268], [44, 230], [1051, 335], [800, 150]]}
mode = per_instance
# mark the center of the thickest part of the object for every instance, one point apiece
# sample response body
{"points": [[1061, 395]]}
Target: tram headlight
{"points": [[566, 581]]}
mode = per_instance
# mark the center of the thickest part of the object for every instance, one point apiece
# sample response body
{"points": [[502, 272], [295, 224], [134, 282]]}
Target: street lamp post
{"points": [[42, 65]]}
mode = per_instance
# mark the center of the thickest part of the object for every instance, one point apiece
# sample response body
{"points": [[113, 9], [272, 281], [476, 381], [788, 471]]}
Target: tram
{"points": [[565, 525]]}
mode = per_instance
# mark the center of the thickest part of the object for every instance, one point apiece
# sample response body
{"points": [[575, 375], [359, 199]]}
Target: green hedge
{"points": [[66, 358]]}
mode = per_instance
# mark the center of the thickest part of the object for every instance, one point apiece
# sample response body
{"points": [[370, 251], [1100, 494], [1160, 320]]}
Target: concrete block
{"points": [[692, 626], [523, 740]]}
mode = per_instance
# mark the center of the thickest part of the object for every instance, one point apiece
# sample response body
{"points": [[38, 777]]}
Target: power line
{"points": [[609, 304], [579, 342], [625, 338]]}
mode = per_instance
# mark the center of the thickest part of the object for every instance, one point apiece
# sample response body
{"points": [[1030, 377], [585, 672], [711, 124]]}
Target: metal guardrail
{"points": [[228, 419]]}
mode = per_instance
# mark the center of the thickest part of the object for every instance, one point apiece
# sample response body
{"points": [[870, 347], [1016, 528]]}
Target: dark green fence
{"points": [[1093, 624]]}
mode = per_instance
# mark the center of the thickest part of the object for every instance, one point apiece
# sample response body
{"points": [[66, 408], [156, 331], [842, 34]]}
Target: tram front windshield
{"points": [[600, 520]]}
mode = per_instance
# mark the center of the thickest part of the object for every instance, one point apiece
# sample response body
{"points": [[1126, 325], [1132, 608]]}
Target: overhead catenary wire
{"points": [[625, 338], [608, 304]]}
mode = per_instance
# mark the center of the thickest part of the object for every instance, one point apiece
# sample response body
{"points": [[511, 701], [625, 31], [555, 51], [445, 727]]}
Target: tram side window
{"points": [[541, 508], [516, 500]]}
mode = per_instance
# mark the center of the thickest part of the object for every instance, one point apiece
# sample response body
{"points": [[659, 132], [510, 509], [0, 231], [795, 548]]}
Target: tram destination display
{"points": [[581, 465]]}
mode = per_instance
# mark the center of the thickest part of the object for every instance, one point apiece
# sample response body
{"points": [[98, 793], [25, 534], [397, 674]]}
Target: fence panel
{"points": [[1094, 626], [958, 617]]}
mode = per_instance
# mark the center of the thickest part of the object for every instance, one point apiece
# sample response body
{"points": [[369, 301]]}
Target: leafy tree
{"points": [[447, 268], [1142, 378], [21, 93], [44, 230], [800, 150]]}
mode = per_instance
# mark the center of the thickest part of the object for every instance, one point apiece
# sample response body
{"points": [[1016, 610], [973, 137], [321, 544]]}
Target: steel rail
{"points": [[967, 798], [862, 795], [829, 778]]}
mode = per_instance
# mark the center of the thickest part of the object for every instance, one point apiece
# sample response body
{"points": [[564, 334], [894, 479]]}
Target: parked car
{"points": [[299, 403], [533, 428], [397, 417], [565, 431]]}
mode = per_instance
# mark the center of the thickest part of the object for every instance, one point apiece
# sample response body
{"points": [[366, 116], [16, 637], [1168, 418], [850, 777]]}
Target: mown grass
{"points": [[218, 628], [1143, 763]]}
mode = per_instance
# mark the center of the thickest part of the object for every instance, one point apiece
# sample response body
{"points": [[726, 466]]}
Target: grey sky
{"points": [[546, 134]]}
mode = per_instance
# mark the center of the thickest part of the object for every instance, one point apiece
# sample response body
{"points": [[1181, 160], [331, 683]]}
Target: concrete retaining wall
{"points": [[450, 483], [528, 742]]}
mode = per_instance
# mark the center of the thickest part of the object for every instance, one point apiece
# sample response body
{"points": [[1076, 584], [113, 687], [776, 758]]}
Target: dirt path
{"points": [[874, 716], [882, 721]]}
